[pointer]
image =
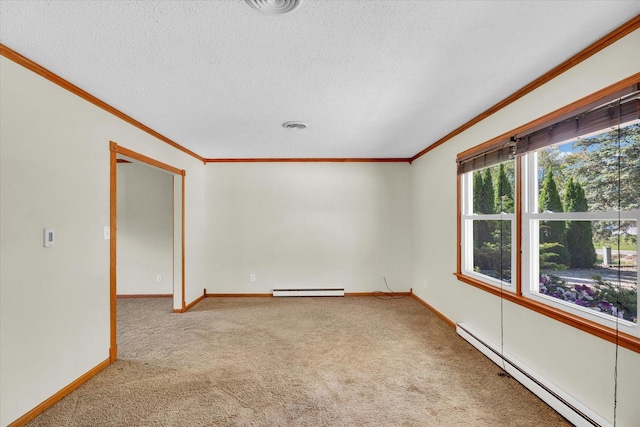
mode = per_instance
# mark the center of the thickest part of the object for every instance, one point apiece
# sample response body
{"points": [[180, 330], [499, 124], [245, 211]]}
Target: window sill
{"points": [[624, 340]]}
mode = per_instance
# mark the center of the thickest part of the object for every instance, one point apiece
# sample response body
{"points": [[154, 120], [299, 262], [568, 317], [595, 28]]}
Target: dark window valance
{"points": [[503, 152], [608, 116], [619, 108]]}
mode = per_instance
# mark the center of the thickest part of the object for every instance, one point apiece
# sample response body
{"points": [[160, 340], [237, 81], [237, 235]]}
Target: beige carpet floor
{"points": [[355, 361]]}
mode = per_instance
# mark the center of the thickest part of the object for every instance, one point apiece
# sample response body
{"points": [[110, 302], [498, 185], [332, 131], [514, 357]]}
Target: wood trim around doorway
{"points": [[116, 150]]}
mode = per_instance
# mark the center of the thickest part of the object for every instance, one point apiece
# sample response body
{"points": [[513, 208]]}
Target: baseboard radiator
{"points": [[320, 292], [567, 406]]}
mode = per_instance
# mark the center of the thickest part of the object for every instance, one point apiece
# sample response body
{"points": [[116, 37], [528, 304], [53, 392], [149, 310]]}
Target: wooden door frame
{"points": [[115, 150]]}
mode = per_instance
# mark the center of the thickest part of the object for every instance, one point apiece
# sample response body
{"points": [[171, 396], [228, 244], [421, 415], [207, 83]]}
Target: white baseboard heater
{"points": [[567, 406], [320, 292]]}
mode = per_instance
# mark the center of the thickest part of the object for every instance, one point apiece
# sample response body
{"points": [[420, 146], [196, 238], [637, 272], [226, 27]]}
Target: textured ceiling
{"points": [[370, 78]]}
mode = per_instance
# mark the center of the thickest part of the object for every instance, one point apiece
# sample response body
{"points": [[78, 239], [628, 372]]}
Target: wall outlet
{"points": [[253, 277], [159, 278]]}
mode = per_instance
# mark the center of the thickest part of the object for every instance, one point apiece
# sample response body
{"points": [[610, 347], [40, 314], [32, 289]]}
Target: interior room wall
{"points": [[145, 230], [575, 361], [290, 224], [54, 173], [307, 225]]}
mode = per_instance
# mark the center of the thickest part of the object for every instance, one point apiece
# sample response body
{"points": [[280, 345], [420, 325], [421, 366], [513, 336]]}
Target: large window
{"points": [[582, 246], [489, 224], [551, 216]]}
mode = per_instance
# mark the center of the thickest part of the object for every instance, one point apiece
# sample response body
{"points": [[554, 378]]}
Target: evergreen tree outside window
{"points": [[579, 235], [587, 250], [553, 242], [491, 216]]}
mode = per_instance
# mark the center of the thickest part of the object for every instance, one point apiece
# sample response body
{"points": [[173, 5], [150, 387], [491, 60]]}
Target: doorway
{"points": [[121, 154]]}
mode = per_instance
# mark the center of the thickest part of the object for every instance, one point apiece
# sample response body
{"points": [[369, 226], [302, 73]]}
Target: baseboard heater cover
{"points": [[564, 404], [323, 292]]}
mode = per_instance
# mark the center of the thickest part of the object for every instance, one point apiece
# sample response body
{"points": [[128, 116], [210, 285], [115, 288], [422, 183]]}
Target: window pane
{"points": [[493, 189], [596, 173], [593, 265], [492, 249]]}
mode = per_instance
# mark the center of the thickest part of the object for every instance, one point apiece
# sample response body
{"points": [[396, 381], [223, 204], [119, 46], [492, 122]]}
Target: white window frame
{"points": [[530, 247], [468, 217]]}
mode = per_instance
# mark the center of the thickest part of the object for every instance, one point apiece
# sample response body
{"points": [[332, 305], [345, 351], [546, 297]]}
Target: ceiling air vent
{"points": [[294, 125], [274, 7]]}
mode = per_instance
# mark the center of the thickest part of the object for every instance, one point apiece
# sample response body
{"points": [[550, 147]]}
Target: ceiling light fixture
{"points": [[294, 125], [274, 7]]}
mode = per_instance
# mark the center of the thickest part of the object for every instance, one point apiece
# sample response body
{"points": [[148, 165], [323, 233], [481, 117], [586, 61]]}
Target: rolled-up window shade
{"points": [[498, 154], [619, 108], [619, 112]]}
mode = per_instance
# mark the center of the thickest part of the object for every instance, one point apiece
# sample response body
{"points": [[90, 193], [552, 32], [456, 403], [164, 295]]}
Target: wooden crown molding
{"points": [[313, 160], [581, 56], [591, 100], [54, 78], [620, 32]]}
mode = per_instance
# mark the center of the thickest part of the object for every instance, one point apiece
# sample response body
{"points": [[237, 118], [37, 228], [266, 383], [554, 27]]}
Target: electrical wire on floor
{"points": [[387, 295]]}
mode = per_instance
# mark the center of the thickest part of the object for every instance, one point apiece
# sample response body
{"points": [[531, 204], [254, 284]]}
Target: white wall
{"points": [[297, 225], [577, 362], [54, 172], [291, 224], [145, 230]]}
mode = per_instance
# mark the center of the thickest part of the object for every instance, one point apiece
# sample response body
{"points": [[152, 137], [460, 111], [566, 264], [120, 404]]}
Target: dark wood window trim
{"points": [[624, 340]]}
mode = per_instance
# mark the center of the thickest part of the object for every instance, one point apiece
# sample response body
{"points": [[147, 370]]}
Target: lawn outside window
{"points": [[548, 217]]}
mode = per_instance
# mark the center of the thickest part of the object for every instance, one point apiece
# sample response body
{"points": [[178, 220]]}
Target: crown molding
{"points": [[65, 84], [313, 160], [620, 32]]}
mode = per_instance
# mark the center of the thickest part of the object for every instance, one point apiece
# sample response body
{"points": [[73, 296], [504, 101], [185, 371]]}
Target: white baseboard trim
{"points": [[328, 292], [564, 404]]}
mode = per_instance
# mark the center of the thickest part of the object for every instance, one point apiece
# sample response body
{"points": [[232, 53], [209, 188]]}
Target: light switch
{"points": [[48, 237], [107, 232]]}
